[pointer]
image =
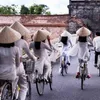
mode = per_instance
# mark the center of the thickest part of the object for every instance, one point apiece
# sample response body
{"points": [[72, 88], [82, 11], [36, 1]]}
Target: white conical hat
{"points": [[66, 33], [40, 35], [20, 28], [83, 31], [8, 35]]}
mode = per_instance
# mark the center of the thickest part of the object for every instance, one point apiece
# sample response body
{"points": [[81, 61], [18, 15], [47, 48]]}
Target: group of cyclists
{"points": [[13, 41]]}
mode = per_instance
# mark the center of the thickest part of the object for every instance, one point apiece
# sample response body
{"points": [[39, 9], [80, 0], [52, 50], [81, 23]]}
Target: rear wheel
{"points": [[7, 92], [40, 86], [82, 81]]}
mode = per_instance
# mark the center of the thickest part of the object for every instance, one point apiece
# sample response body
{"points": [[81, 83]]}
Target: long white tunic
{"points": [[96, 43], [9, 59], [42, 54]]}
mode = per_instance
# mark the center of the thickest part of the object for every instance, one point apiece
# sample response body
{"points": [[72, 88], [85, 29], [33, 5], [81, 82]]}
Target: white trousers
{"points": [[22, 82]]}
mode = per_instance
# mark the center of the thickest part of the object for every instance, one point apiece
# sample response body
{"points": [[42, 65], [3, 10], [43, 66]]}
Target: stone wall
{"points": [[88, 11]]}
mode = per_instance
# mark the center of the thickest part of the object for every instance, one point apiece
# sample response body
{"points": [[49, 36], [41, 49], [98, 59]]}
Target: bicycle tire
{"points": [[62, 69], [66, 69], [99, 72], [28, 96], [7, 92], [82, 81], [40, 86], [50, 81]]}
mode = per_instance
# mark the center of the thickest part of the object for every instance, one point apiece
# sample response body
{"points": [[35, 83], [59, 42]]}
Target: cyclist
{"points": [[67, 44], [39, 49], [23, 45], [9, 54], [83, 50], [96, 44]]}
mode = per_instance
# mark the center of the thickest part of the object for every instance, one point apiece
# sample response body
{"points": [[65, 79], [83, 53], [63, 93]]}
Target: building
{"points": [[88, 11]]}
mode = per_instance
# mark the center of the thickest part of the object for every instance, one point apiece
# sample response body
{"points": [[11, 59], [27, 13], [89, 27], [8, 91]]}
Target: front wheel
{"points": [[7, 92], [62, 69], [66, 69], [40, 86], [82, 81], [28, 96], [50, 81]]}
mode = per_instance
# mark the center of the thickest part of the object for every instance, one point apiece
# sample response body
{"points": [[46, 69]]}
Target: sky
{"points": [[55, 6]]}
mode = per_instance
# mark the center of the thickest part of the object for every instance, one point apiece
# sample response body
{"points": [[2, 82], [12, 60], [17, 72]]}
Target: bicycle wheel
{"points": [[82, 81], [7, 92], [40, 86], [66, 69], [28, 96], [50, 81], [62, 69]]}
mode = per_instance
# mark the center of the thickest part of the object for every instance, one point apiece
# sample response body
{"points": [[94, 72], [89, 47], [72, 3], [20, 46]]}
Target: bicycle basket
{"points": [[29, 66]]}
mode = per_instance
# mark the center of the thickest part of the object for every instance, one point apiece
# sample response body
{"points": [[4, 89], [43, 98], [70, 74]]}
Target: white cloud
{"points": [[55, 6]]}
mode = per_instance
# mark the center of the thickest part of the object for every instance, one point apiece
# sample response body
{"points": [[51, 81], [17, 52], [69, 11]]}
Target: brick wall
{"points": [[53, 23]]}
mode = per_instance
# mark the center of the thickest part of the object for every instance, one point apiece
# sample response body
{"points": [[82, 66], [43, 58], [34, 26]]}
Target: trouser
{"points": [[96, 56], [22, 82], [67, 59]]}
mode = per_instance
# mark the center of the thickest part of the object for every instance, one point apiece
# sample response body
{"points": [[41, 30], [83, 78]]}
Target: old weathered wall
{"points": [[56, 24], [88, 11]]}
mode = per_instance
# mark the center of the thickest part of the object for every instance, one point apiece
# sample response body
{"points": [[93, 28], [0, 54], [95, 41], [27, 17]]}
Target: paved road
{"points": [[68, 87]]}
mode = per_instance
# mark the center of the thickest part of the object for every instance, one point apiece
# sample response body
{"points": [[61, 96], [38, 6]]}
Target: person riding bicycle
{"points": [[23, 46], [67, 44], [39, 49], [96, 44], [9, 54], [83, 50]]}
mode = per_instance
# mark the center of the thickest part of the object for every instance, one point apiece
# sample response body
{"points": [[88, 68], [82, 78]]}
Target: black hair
{"points": [[37, 45], [7, 45], [22, 37], [82, 39], [98, 33], [64, 40], [43, 41]]}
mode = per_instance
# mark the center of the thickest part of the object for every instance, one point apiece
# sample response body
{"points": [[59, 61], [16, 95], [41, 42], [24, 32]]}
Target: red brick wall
{"points": [[53, 23]]}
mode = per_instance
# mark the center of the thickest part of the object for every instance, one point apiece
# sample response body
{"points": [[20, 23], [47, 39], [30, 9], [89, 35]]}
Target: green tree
{"points": [[39, 9], [24, 10], [7, 10]]}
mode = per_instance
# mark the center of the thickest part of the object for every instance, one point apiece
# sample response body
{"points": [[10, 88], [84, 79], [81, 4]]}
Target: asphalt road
{"points": [[68, 87]]}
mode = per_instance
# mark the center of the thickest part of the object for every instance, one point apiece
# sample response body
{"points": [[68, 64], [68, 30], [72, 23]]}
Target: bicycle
{"points": [[8, 90], [98, 65], [29, 68], [64, 66], [82, 70], [40, 82]]}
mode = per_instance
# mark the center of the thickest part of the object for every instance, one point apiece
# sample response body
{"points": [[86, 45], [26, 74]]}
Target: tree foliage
{"points": [[34, 9], [8, 9], [24, 10]]}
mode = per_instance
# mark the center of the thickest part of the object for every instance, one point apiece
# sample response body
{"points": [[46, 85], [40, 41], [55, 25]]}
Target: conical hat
{"points": [[46, 31], [40, 35], [66, 33], [8, 35], [83, 31], [20, 28]]}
